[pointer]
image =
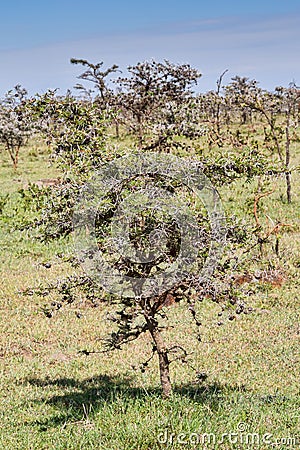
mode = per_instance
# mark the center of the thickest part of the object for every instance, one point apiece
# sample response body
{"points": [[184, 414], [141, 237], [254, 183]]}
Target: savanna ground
{"points": [[54, 397]]}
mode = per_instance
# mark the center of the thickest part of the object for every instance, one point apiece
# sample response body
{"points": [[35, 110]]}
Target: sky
{"points": [[259, 39]]}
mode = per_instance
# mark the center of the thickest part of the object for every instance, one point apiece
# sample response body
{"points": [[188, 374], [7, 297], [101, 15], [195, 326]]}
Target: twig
{"points": [[256, 200]]}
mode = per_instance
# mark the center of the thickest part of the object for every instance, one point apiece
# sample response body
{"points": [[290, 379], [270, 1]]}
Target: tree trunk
{"points": [[14, 156], [288, 187], [287, 161], [140, 132], [164, 363], [117, 129]]}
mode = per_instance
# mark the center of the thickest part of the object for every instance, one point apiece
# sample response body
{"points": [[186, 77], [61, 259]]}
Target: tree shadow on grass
{"points": [[93, 393]]}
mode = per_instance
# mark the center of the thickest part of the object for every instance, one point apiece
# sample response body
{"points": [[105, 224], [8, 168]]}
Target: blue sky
{"points": [[259, 39]]}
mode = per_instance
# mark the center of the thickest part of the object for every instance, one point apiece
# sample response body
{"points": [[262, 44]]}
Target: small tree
{"points": [[133, 208], [278, 110], [16, 124], [289, 99], [151, 96], [242, 93], [143, 233], [97, 77], [102, 95]]}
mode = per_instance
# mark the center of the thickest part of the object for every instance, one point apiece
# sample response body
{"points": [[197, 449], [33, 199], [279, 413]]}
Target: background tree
{"points": [[276, 110], [16, 124], [242, 93], [101, 93], [289, 99], [151, 96], [97, 77]]}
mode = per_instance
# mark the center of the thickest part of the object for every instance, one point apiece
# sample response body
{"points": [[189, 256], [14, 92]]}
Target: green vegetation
{"points": [[59, 391]]}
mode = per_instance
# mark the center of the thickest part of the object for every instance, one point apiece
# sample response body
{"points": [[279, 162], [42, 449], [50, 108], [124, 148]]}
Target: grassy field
{"points": [[53, 397]]}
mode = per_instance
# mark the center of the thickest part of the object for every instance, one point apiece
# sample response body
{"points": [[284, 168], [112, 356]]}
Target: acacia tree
{"points": [[97, 77], [138, 256], [216, 103], [16, 124], [242, 93], [289, 99], [101, 93], [153, 260], [151, 97], [278, 110]]}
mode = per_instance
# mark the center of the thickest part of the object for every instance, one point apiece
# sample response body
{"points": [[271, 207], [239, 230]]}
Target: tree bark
{"points": [[140, 132], [117, 129], [164, 364], [287, 161], [14, 156], [163, 359]]}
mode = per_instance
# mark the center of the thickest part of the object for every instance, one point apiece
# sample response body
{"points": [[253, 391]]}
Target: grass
{"points": [[53, 397]]}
